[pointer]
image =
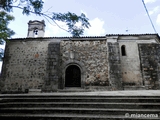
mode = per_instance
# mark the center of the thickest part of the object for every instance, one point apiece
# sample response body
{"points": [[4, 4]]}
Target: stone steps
{"points": [[21, 116], [82, 104], [102, 111], [69, 117], [82, 99], [78, 107]]}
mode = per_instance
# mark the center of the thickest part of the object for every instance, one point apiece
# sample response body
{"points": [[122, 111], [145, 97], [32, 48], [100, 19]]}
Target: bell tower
{"points": [[36, 28]]}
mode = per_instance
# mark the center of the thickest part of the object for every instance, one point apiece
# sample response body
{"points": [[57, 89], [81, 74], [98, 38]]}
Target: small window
{"points": [[123, 50]]}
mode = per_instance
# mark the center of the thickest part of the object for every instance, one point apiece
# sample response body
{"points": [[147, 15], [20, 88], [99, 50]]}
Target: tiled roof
{"points": [[85, 36], [131, 34]]}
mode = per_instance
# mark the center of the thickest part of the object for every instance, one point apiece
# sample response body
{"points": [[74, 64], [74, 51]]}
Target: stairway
{"points": [[78, 107]]}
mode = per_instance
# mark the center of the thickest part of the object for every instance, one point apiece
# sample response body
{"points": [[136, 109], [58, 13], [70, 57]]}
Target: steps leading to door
{"points": [[78, 107]]}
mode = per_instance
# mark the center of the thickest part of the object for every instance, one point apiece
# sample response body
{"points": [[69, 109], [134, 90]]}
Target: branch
{"points": [[47, 10], [42, 14]]}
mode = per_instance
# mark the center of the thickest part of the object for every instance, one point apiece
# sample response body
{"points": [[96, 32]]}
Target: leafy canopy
{"points": [[5, 32], [36, 7]]}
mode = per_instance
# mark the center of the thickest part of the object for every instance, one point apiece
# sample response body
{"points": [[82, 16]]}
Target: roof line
{"points": [[88, 36]]}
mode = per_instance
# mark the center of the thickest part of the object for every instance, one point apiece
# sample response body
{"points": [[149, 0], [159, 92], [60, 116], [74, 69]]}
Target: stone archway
{"points": [[73, 76]]}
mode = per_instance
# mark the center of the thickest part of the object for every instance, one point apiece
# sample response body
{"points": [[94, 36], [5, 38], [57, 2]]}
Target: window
{"points": [[123, 50]]}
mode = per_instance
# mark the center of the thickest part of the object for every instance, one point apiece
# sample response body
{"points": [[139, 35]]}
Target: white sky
{"points": [[105, 17]]}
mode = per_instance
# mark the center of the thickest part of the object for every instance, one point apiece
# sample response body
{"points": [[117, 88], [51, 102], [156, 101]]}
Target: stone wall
{"points": [[41, 64], [150, 65], [92, 54], [25, 65], [130, 63], [53, 67], [115, 76], [30, 65]]}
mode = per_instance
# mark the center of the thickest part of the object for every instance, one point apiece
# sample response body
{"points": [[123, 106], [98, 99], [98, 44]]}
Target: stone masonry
{"points": [[150, 63], [25, 65], [93, 55], [41, 63], [115, 74]]}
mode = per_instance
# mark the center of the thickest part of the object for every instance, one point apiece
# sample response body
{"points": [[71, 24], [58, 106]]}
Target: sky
{"points": [[105, 17]]}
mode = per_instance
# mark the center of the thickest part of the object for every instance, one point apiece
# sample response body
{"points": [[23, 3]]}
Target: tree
{"points": [[36, 7], [5, 32]]}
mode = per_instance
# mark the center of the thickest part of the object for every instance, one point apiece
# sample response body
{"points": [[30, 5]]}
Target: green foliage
{"points": [[71, 20], [6, 5], [5, 32], [32, 5], [36, 7], [27, 5]]}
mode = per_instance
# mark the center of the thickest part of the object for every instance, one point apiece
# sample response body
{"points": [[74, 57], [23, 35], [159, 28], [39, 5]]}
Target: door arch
{"points": [[73, 76]]}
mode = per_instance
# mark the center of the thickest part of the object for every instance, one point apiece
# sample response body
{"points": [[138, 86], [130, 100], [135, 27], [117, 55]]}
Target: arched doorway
{"points": [[73, 76]]}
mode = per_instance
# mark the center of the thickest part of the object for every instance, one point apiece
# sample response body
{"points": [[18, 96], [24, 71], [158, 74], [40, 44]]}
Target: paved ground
{"points": [[114, 93], [99, 93]]}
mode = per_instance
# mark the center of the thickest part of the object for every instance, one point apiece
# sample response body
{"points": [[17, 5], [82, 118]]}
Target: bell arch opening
{"points": [[73, 76]]}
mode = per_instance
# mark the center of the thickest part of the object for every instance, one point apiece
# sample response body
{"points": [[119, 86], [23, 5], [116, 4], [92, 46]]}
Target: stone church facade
{"points": [[111, 62]]}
